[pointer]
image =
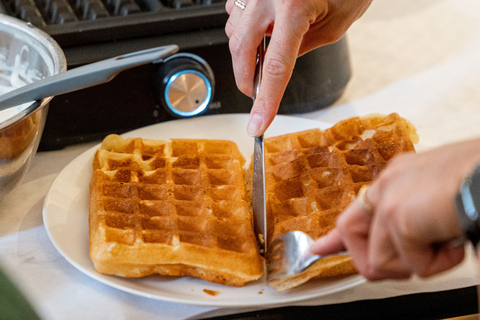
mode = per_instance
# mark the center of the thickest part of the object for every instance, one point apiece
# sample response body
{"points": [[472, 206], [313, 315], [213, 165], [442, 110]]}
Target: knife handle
{"points": [[259, 68]]}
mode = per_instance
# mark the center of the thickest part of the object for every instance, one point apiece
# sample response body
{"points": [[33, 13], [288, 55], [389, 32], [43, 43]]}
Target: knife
{"points": [[258, 183]]}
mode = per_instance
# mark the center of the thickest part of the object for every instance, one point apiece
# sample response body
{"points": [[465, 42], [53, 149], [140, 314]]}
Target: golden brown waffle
{"points": [[312, 176], [172, 208]]}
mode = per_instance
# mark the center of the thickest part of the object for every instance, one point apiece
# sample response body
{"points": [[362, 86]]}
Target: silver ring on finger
{"points": [[242, 5]]}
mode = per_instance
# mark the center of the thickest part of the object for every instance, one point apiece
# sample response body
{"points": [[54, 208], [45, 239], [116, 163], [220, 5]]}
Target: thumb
{"points": [[328, 244]]}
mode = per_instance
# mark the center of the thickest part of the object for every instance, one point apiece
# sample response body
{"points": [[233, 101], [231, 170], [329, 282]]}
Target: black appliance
{"points": [[92, 30]]}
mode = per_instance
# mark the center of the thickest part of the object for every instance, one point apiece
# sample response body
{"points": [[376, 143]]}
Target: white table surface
{"points": [[420, 58]]}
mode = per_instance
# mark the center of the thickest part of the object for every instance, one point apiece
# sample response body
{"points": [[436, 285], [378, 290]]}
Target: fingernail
{"points": [[254, 124]]}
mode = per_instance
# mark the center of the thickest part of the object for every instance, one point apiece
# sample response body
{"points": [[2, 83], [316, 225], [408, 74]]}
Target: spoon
{"points": [[83, 77]]}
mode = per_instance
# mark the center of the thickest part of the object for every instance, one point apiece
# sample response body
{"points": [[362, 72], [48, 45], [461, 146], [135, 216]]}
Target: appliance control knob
{"points": [[184, 84]]}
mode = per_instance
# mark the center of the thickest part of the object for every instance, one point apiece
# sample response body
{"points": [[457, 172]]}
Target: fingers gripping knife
{"points": [[290, 253]]}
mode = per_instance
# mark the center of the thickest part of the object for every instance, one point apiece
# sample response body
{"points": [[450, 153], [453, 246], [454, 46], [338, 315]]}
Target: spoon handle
{"points": [[83, 77]]}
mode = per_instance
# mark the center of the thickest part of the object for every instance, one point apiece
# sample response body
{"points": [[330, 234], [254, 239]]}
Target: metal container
{"points": [[26, 54]]}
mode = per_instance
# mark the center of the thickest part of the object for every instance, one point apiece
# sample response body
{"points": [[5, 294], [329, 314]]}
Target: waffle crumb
{"points": [[211, 292]]}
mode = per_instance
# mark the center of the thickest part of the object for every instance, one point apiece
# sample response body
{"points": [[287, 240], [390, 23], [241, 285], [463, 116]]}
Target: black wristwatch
{"points": [[468, 206]]}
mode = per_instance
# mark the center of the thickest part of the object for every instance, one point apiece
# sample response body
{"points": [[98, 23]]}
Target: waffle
{"points": [[312, 176], [174, 208]]}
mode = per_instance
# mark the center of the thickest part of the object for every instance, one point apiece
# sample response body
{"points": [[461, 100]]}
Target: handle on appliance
{"points": [[83, 77]]}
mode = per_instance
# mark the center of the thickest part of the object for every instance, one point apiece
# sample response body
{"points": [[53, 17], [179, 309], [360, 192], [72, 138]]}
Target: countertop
{"points": [[420, 58]]}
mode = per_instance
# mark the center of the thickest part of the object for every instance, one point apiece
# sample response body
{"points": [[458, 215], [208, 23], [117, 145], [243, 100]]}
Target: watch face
{"points": [[468, 202], [475, 188]]}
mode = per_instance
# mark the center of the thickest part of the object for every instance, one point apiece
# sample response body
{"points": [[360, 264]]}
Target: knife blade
{"points": [[258, 180], [258, 197]]}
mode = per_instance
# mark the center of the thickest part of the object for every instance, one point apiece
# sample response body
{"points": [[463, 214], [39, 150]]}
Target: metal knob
{"points": [[185, 85]]}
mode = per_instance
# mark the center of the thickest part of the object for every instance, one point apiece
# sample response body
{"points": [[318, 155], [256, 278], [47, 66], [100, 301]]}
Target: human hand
{"points": [[295, 27], [413, 218]]}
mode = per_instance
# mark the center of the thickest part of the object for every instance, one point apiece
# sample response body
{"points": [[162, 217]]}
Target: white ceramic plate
{"points": [[65, 216]]}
